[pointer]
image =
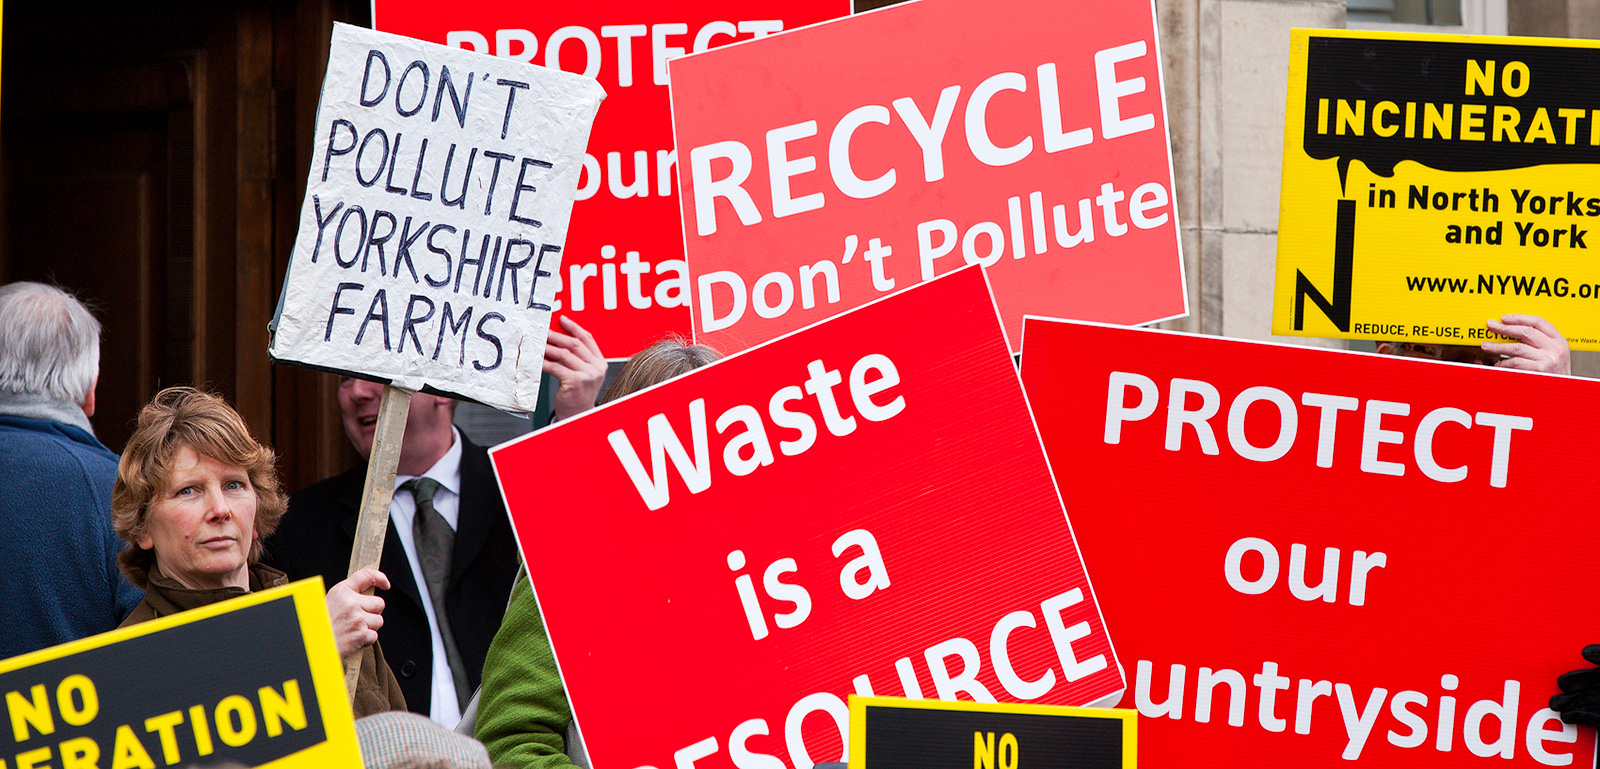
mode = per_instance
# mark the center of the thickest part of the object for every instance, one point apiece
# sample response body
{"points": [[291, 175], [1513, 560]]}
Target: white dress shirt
{"points": [[446, 709]]}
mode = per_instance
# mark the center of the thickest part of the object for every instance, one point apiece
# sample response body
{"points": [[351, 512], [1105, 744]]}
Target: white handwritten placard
{"points": [[434, 217]]}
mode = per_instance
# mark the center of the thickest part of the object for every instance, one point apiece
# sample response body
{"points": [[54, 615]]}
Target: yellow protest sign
{"points": [[895, 733], [1431, 182], [254, 681]]}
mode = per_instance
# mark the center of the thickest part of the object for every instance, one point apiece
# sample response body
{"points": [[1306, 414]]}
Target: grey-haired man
{"points": [[60, 581]]}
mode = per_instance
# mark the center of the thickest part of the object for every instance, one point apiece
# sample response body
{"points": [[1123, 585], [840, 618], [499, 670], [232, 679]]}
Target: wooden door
{"points": [[151, 162]]}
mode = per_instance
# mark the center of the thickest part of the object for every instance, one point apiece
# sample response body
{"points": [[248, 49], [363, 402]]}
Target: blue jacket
{"points": [[59, 579]]}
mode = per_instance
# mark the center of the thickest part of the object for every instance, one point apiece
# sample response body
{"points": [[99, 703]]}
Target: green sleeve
{"points": [[522, 711]]}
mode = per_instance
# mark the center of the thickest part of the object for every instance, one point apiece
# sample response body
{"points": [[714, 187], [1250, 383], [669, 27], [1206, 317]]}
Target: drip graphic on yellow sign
{"points": [[1431, 182]]}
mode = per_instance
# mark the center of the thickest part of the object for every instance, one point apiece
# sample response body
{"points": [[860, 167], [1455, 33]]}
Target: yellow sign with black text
{"points": [[1431, 182], [255, 681], [895, 733]]}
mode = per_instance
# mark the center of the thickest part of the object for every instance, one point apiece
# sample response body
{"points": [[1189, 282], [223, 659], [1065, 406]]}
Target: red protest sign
{"points": [[622, 273], [829, 165], [1313, 557], [827, 514]]}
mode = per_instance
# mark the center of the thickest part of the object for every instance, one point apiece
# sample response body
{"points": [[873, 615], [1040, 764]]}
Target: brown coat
{"points": [[377, 690]]}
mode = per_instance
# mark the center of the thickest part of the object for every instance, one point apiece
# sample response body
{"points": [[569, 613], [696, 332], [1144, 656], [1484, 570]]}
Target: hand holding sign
{"points": [[356, 614], [1540, 347], [1579, 700], [576, 362]]}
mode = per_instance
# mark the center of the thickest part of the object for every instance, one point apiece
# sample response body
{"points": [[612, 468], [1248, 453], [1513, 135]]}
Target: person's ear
{"points": [[88, 402]]}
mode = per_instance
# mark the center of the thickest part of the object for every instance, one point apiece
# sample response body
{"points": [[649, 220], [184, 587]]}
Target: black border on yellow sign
{"points": [[1408, 281], [859, 705]]}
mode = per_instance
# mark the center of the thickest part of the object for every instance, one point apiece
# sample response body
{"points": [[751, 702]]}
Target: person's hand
{"points": [[576, 362], [1542, 347], [356, 617], [1579, 700]]}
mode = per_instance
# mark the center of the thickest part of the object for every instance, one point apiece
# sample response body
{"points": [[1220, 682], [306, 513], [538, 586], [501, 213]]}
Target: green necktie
{"points": [[435, 540]]}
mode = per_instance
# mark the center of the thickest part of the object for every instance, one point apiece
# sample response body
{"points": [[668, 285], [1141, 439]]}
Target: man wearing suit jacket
{"points": [[317, 533]]}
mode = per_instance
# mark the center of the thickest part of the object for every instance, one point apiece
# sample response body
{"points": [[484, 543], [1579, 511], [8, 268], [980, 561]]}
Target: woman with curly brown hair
{"points": [[195, 496]]}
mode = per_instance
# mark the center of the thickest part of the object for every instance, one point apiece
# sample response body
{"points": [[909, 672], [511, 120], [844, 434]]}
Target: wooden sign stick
{"points": [[376, 494]]}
